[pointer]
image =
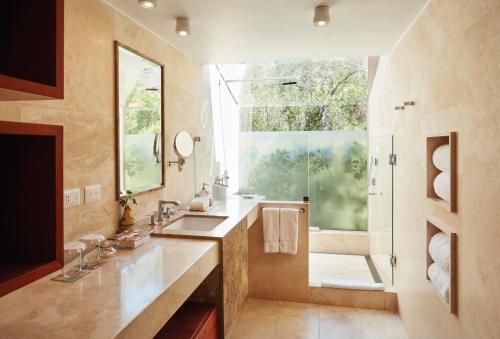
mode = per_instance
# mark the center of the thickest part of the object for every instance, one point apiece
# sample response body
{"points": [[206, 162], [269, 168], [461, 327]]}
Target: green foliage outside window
{"points": [[332, 169]]}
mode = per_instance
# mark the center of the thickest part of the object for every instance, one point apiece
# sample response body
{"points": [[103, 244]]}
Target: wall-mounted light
{"points": [[147, 3], [182, 26], [321, 16]]}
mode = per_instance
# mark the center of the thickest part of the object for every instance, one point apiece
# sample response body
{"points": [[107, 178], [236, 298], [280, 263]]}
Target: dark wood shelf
{"points": [[32, 58], [31, 205]]}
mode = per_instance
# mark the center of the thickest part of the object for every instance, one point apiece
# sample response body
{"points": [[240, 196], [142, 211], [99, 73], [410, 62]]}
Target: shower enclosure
{"points": [[381, 164]]}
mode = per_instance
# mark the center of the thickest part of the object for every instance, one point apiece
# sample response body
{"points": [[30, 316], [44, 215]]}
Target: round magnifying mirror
{"points": [[183, 144]]}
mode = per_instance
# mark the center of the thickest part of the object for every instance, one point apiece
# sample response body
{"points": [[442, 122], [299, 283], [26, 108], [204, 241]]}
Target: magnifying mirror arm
{"points": [[180, 162]]}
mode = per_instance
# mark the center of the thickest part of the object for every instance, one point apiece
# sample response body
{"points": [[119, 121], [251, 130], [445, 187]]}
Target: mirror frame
{"points": [[118, 45], [175, 144]]}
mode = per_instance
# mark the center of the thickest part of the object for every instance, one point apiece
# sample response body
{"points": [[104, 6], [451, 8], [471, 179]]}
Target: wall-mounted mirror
{"points": [[140, 121], [183, 147], [183, 144]]}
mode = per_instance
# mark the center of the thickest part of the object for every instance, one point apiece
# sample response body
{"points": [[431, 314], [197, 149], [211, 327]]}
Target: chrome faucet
{"points": [[161, 209]]}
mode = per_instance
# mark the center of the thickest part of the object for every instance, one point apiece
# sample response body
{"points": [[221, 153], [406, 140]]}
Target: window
{"points": [[302, 132]]}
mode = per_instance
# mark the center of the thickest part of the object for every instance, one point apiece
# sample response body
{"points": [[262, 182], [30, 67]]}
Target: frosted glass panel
{"points": [[337, 180], [329, 167], [274, 164], [142, 168]]}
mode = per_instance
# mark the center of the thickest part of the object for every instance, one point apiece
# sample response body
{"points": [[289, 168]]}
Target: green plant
{"points": [[125, 199]]}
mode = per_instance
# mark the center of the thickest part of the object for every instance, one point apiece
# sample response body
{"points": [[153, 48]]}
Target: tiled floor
{"points": [[283, 320], [338, 266]]}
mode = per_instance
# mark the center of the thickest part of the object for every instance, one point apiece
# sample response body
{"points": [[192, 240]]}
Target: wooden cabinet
{"points": [[32, 57], [191, 321], [31, 203]]}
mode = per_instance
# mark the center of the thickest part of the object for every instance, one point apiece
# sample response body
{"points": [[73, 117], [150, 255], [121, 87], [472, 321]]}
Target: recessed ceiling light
{"points": [[182, 26], [147, 3], [321, 16]]}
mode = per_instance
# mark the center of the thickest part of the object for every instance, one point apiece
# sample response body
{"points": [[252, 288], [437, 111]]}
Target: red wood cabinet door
{"points": [[191, 321], [209, 328]]}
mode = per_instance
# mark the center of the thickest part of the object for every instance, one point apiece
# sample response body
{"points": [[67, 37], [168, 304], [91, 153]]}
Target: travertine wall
{"points": [[448, 62], [88, 116], [279, 276]]}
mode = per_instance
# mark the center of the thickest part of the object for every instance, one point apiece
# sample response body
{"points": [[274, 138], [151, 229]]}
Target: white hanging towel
{"points": [[271, 229], [289, 230]]}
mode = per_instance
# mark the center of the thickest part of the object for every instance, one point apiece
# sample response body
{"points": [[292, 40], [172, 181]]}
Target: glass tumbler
{"points": [[92, 258], [71, 250]]}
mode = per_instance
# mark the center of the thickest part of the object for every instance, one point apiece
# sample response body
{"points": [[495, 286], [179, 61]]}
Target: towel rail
{"points": [[301, 210]]}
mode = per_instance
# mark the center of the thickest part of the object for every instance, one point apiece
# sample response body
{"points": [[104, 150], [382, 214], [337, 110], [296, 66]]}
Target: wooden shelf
{"points": [[434, 142], [435, 226], [32, 58], [31, 216]]}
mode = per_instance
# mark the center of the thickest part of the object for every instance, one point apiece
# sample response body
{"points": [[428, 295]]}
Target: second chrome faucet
{"points": [[165, 213]]}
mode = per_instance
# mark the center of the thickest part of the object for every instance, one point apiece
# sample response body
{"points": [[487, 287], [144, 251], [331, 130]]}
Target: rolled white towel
{"points": [[441, 158], [442, 186], [199, 204], [441, 281], [439, 250]]}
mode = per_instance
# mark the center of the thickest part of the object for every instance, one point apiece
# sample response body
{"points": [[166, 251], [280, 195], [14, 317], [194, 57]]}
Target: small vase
{"points": [[127, 218]]}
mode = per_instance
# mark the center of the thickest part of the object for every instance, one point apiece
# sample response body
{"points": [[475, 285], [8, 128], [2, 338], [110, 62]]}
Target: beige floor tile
{"points": [[381, 325], [261, 319], [339, 323], [258, 320], [298, 321]]}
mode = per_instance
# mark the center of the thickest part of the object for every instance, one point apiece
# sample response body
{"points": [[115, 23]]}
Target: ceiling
{"points": [[233, 31]]}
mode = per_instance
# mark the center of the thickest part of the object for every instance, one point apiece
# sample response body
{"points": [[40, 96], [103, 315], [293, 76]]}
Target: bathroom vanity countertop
{"points": [[131, 296], [235, 209]]}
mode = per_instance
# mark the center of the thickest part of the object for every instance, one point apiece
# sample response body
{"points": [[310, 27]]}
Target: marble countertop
{"points": [[136, 290], [234, 209]]}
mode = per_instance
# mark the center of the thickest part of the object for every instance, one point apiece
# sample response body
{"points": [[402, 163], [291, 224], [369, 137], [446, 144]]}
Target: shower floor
{"points": [[324, 266]]}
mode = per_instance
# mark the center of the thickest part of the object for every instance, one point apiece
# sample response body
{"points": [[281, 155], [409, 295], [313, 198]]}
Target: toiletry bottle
{"points": [[206, 194]]}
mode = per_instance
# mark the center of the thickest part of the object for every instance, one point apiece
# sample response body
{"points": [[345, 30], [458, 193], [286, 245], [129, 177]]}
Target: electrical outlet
{"points": [[71, 197], [92, 193]]}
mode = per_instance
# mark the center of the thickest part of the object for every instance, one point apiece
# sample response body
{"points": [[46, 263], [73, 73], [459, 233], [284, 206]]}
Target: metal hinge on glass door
{"points": [[393, 160], [393, 260]]}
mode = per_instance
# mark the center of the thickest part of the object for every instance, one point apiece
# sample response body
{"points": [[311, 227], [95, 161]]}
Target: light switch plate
{"points": [[92, 193], [71, 197]]}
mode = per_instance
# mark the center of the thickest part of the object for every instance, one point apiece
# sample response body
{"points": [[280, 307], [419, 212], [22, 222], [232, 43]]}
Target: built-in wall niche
{"points": [[442, 170], [31, 206], [443, 275], [32, 58]]}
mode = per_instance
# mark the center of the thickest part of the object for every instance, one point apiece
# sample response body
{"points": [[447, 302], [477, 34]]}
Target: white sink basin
{"points": [[195, 223]]}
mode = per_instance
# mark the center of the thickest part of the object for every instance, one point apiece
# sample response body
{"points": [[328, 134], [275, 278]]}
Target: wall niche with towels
{"points": [[442, 170], [441, 269]]}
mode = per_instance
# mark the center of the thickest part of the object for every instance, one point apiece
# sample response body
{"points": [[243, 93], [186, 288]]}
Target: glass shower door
{"points": [[381, 205]]}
